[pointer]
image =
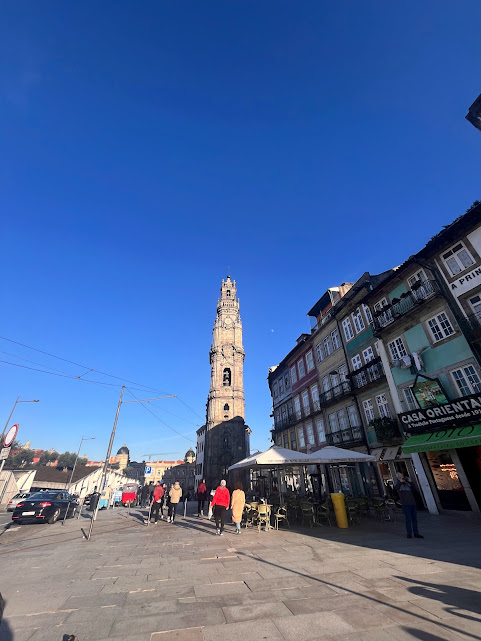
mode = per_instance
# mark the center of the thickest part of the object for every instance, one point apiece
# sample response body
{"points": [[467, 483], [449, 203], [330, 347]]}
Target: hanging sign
{"points": [[462, 411]]}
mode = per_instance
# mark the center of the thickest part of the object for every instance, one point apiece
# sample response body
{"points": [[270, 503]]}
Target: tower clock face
{"points": [[228, 320]]}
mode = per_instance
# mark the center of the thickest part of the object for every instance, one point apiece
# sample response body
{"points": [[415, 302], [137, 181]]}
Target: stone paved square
{"points": [[182, 582]]}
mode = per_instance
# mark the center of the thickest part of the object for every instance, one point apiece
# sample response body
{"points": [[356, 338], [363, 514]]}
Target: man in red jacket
{"points": [[157, 501], [220, 503], [201, 496]]}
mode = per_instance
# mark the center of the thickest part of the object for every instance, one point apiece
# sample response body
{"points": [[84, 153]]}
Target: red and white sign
{"points": [[10, 435]]}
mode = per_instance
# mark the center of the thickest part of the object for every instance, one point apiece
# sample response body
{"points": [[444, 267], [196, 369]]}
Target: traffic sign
{"points": [[10, 435], [148, 469], [4, 452]]}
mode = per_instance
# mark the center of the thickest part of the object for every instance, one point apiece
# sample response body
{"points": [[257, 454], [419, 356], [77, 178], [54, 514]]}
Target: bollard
{"points": [[340, 510]]}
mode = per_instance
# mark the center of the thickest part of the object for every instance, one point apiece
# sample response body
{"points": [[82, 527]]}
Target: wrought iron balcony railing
{"points": [[371, 372], [420, 292], [344, 437], [471, 326], [336, 392]]}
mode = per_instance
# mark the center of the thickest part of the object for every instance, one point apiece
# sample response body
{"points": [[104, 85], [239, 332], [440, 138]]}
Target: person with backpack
{"points": [[201, 496], [175, 496], [220, 504], [157, 501]]}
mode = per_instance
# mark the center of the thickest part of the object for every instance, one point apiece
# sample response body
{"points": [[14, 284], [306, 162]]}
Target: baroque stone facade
{"points": [[227, 436]]}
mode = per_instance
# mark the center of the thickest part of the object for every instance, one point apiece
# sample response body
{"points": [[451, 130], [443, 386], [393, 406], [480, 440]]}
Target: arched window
{"points": [[228, 293], [226, 407], [226, 379]]}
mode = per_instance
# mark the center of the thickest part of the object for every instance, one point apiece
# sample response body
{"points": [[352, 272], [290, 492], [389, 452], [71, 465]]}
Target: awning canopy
{"points": [[331, 454], [275, 456], [382, 454], [445, 439]]}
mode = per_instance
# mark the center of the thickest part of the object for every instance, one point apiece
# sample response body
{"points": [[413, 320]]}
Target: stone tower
{"points": [[227, 436]]}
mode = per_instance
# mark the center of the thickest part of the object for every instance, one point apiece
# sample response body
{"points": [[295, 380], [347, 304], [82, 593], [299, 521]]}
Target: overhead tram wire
{"points": [[66, 360], [159, 419], [75, 378]]}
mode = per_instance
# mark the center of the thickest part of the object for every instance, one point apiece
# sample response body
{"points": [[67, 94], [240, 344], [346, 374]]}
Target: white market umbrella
{"points": [[331, 454], [275, 456]]}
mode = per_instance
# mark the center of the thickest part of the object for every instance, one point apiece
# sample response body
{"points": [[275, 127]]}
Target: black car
{"points": [[45, 506]]}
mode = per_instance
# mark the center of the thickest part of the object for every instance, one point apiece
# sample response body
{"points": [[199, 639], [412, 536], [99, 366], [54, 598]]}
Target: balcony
{"points": [[399, 307], [367, 374], [471, 327], [335, 393], [350, 436]]}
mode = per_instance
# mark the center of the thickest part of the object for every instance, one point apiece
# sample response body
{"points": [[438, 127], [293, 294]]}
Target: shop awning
{"points": [[383, 454], [444, 439]]}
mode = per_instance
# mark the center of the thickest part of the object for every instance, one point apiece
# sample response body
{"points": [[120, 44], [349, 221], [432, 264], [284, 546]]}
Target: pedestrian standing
{"points": [[151, 491], [144, 495], [175, 496], [406, 491], [220, 504], [201, 496], [156, 501], [237, 506], [164, 498]]}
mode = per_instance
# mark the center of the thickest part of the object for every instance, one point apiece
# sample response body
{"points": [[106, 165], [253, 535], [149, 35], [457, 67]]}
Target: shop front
{"points": [[390, 462], [452, 455]]}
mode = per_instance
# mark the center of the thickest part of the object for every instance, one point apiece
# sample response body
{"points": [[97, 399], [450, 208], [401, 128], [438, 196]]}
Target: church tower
{"points": [[226, 434]]}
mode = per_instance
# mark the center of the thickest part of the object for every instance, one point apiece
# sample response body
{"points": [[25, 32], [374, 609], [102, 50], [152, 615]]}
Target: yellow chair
{"points": [[281, 515], [263, 516]]}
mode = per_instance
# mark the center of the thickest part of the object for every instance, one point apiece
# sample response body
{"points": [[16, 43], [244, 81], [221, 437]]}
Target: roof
{"points": [[54, 475], [123, 450]]}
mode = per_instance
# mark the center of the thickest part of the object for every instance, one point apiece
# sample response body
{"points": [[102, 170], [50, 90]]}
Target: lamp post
{"points": [[109, 449], [69, 482], [3, 434]]}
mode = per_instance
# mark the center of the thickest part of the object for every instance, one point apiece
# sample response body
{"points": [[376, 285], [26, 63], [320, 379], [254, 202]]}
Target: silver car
{"points": [[12, 504]]}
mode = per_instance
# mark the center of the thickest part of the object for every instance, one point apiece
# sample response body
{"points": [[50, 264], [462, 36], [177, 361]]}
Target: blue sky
{"points": [[147, 147]]}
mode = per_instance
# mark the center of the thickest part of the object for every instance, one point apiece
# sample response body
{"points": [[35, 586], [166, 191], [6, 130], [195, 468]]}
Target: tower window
{"points": [[228, 293], [226, 407], [226, 379]]}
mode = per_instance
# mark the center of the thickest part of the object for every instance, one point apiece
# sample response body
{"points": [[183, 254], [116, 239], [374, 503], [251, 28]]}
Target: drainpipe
{"points": [[418, 466]]}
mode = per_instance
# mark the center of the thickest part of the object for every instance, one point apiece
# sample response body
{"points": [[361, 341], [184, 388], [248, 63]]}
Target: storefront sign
{"points": [[466, 282], [462, 411], [428, 392], [446, 439]]}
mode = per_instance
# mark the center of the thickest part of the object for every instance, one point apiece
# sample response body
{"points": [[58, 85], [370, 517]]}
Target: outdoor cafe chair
{"points": [[263, 517], [352, 509], [307, 513], [323, 512], [249, 515], [280, 516]]}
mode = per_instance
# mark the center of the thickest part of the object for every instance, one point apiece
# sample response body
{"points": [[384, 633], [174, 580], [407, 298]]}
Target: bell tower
{"points": [[226, 393], [226, 434]]}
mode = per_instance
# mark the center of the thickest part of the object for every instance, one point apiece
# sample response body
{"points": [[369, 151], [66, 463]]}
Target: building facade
{"points": [[226, 437]]}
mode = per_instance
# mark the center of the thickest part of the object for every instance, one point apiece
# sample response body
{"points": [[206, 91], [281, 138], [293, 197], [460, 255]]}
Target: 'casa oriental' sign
{"points": [[462, 411]]}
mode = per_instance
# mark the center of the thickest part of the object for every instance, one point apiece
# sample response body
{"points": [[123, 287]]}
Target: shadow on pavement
{"points": [[453, 597]]}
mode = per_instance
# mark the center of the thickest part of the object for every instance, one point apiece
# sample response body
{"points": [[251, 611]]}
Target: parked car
{"points": [[12, 504], [47, 506]]}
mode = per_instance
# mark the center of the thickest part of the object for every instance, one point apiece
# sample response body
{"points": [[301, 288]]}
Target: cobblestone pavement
{"points": [[181, 581]]}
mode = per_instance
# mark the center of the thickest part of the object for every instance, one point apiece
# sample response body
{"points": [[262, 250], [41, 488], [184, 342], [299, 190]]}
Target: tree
{"points": [[47, 457], [82, 461], [22, 457], [67, 459]]}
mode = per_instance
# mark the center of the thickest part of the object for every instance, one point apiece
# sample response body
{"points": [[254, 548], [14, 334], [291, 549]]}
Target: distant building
{"points": [[155, 470], [474, 113], [184, 473]]}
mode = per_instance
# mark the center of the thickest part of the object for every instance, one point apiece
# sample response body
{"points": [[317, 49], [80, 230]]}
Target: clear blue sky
{"points": [[145, 147]]}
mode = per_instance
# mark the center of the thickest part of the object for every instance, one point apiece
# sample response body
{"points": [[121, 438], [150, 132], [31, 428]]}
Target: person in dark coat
{"points": [[201, 497], [406, 490], [145, 495]]}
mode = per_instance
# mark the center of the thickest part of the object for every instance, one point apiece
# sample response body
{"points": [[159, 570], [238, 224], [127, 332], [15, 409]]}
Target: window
{"points": [[301, 368], [310, 434], [326, 385], [228, 293], [356, 362], [285, 438], [336, 339], [458, 259], [281, 385], [467, 380], [347, 327], [386, 317], [327, 346], [287, 381], [309, 361], [397, 349], [319, 352], [279, 440], [226, 407], [305, 401], [368, 410], [342, 419], [440, 327], [315, 396], [376, 347], [333, 424], [353, 416], [360, 378], [342, 371], [297, 407], [226, 377], [293, 374], [293, 440], [419, 276], [274, 389], [367, 313], [321, 432], [383, 406], [368, 354], [358, 321], [300, 436], [475, 303], [410, 399]]}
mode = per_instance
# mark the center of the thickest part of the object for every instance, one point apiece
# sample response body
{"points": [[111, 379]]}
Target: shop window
{"points": [[450, 489]]}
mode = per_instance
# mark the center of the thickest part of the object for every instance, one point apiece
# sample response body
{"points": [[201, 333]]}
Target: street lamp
{"points": [[109, 449], [90, 438]]}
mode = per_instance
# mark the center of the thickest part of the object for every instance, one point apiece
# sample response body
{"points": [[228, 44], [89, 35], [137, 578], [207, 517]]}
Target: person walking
{"points": [[144, 496], [201, 496], [156, 501], [237, 506], [406, 491], [175, 495], [220, 504]]}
